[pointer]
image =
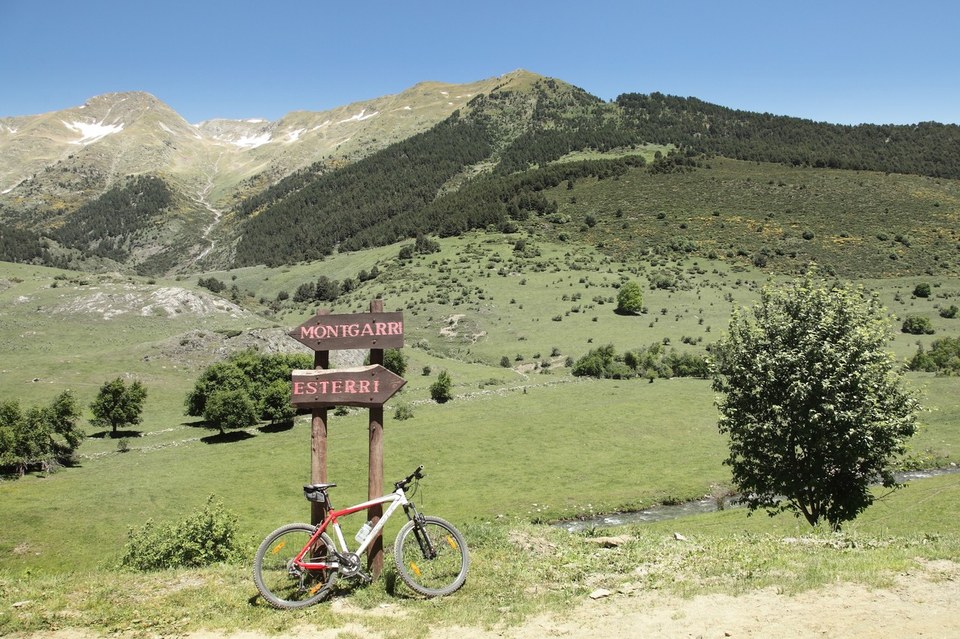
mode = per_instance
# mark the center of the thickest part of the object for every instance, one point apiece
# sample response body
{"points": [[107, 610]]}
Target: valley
{"points": [[501, 218]]}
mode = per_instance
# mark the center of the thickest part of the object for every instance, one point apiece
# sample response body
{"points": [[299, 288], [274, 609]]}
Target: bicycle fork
{"points": [[420, 532]]}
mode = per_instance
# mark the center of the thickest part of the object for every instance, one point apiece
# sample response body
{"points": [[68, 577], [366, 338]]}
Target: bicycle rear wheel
{"points": [[431, 557], [285, 585]]}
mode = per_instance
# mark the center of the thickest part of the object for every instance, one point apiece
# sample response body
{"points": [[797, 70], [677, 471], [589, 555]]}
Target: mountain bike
{"points": [[298, 564]]}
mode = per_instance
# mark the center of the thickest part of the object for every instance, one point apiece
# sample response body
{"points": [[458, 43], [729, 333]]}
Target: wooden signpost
{"points": [[369, 386], [363, 386]]}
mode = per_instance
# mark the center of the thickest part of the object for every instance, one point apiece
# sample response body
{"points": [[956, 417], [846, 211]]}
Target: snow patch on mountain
{"points": [[252, 141], [91, 132], [360, 117], [293, 136]]}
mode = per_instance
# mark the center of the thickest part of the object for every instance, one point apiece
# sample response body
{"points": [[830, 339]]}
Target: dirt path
{"points": [[915, 607], [923, 603]]}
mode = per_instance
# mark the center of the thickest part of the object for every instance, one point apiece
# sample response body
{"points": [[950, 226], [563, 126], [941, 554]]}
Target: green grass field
{"points": [[518, 444]]}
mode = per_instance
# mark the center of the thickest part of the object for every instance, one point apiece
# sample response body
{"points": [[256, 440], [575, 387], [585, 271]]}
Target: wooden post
{"points": [[318, 440], [375, 473]]}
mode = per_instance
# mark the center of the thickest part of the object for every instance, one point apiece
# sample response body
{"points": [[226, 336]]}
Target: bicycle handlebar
{"points": [[417, 474]]}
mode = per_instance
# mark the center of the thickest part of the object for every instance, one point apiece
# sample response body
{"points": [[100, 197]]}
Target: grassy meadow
{"points": [[520, 444]]}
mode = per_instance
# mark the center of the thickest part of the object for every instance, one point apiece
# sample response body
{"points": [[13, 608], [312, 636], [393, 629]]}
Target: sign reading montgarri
{"points": [[357, 331]]}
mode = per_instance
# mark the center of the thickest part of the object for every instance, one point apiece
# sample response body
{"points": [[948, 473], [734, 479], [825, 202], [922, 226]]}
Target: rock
{"points": [[610, 542], [600, 593], [679, 537]]}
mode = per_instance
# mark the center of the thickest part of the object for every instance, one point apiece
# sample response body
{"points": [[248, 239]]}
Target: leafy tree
{"points": [[219, 376], [276, 406], [922, 290], [811, 402], [249, 371], [63, 419], [230, 409], [39, 435], [441, 390], [630, 298], [118, 405]]}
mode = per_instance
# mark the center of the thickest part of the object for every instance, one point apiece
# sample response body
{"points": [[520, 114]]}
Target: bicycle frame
{"points": [[396, 499]]}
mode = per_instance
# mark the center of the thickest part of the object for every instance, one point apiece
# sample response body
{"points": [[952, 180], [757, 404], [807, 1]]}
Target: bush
{"points": [[917, 325], [403, 412], [943, 357], [395, 361], [922, 290], [441, 390], [205, 537], [949, 313], [630, 299]]}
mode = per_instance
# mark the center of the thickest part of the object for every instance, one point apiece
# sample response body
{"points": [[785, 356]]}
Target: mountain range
{"points": [[123, 182]]}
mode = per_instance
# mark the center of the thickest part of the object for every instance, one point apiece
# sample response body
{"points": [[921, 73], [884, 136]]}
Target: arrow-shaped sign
{"points": [[357, 331], [362, 386]]}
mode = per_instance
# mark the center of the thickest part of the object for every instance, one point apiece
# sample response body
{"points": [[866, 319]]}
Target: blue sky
{"points": [[842, 62]]}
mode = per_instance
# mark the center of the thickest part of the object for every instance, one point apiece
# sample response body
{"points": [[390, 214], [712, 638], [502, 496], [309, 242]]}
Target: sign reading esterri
{"points": [[362, 386], [356, 331]]}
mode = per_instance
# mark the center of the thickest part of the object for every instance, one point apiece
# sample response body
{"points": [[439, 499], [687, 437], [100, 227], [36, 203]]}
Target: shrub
{"points": [[943, 357], [917, 325], [395, 361], [949, 313], [205, 537], [922, 290], [403, 412], [441, 390], [630, 298]]}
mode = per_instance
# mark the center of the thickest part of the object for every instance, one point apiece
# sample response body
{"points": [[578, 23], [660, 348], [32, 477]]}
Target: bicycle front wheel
{"points": [[431, 557], [285, 585]]}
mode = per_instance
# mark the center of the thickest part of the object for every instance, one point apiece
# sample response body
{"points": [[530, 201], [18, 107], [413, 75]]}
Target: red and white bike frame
{"points": [[396, 499]]}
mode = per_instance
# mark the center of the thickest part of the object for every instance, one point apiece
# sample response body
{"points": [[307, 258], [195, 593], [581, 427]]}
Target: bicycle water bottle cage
{"points": [[317, 492]]}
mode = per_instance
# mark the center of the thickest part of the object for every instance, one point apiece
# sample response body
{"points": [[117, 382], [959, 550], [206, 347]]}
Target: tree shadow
{"points": [[104, 434], [226, 438], [276, 427]]}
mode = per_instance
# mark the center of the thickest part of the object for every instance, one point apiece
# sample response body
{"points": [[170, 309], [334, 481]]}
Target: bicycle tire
{"points": [[432, 577], [283, 586]]}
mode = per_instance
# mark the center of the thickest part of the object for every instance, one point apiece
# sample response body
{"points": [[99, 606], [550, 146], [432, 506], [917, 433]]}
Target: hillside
{"points": [[444, 159], [53, 164]]}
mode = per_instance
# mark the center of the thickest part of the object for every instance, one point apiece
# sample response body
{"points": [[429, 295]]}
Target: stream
{"points": [[704, 505]]}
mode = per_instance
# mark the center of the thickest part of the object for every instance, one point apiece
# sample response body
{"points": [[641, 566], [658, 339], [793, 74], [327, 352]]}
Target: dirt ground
{"points": [[923, 603]]}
